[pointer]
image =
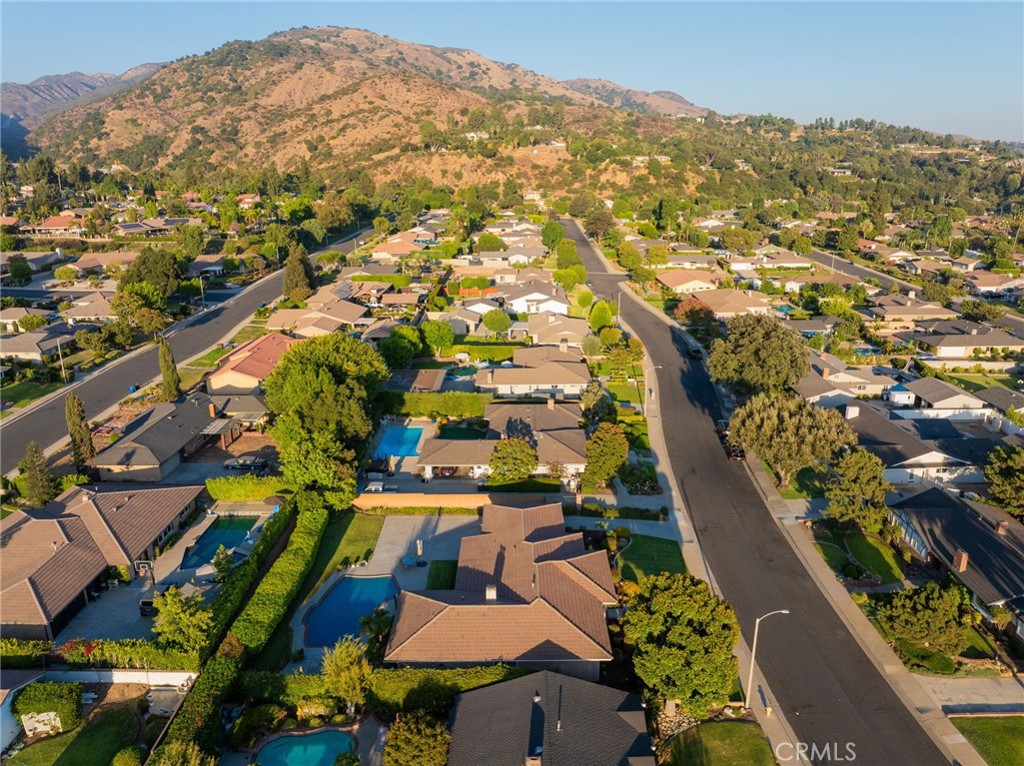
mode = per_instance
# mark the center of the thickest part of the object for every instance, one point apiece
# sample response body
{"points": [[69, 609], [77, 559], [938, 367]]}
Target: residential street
{"points": [[45, 423], [828, 689]]}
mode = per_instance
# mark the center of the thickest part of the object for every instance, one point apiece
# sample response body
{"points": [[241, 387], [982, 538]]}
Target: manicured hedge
{"points": [[198, 718], [421, 510], [618, 512], [398, 280], [452, 404], [64, 699], [274, 595], [403, 690], [247, 488], [19, 653], [291, 690], [132, 653]]}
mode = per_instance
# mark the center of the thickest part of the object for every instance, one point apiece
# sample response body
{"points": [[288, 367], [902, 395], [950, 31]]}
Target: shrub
{"points": [[23, 653], [133, 653], [851, 571], [154, 727], [198, 718], [129, 756], [398, 280], [451, 404], [274, 595], [247, 728], [243, 488], [403, 690], [64, 699], [289, 690]]}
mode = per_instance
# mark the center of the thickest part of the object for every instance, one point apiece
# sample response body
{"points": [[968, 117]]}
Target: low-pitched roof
{"points": [[1002, 398], [934, 391], [564, 720], [549, 328], [675, 278], [548, 373], [256, 358], [884, 438], [733, 301], [548, 602], [534, 356]]}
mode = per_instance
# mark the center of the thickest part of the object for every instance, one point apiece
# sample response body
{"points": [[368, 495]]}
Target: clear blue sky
{"points": [[949, 67]]}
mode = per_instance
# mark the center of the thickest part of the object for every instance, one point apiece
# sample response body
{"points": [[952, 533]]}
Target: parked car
{"points": [[446, 471], [245, 463], [722, 429], [695, 352], [735, 451]]}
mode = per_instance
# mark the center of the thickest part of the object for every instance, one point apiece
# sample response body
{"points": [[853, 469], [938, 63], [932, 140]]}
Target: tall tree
{"points": [[158, 268], [683, 638], [39, 486], [182, 621], [599, 221], [601, 316], [78, 429], [512, 460], [759, 354], [346, 671], [930, 615], [1005, 475], [497, 322], [790, 433], [171, 380], [857, 493], [552, 234], [607, 451], [438, 335], [299, 275]]}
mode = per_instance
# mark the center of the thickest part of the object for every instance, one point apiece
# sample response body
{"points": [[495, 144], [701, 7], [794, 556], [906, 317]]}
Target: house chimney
{"points": [[852, 411], [911, 294], [825, 372], [213, 410], [1003, 528], [551, 403], [960, 560], [532, 760], [563, 345], [491, 593]]}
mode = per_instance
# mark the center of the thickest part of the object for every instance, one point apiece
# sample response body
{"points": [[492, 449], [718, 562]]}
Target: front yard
{"points": [[722, 743], [647, 555], [999, 739], [18, 395]]}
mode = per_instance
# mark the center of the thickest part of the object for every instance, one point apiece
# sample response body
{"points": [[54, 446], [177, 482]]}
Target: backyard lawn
{"points": [[349, 538], [875, 556], [94, 743], [724, 743], [999, 740], [647, 555], [441, 575], [976, 382]]}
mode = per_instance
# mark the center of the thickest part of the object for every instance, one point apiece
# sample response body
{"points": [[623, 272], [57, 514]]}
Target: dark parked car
{"points": [[245, 463], [735, 451], [722, 429], [694, 352]]}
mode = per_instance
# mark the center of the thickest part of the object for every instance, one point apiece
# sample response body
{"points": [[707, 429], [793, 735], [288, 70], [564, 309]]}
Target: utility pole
{"points": [[63, 373]]}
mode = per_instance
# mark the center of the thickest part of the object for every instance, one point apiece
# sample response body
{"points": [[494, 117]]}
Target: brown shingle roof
{"points": [[550, 597], [258, 357]]}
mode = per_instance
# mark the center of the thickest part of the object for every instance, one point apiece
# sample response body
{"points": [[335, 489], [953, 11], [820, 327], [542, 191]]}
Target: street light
{"points": [[753, 655]]}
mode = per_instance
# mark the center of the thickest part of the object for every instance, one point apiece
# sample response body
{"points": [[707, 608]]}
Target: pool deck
{"points": [[404, 466], [441, 535]]}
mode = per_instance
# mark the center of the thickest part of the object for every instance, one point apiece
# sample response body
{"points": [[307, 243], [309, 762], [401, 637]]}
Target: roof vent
{"points": [[536, 696], [1002, 528]]}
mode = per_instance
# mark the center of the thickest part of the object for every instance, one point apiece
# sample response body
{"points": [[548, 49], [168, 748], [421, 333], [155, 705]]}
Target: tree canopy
{"points": [[184, 622], [158, 268], [414, 738], [857, 493], [759, 354], [607, 452], [601, 316], [683, 638], [438, 335], [1005, 475], [512, 460], [346, 671], [497, 321], [930, 615]]}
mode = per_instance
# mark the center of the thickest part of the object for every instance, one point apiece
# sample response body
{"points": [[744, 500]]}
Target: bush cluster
{"points": [[247, 488], [430, 690], [133, 653], [64, 699], [24, 653]]}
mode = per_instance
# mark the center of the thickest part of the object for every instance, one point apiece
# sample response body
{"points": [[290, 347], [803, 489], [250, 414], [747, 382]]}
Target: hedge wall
{"points": [[274, 595], [18, 653], [398, 280], [64, 699], [421, 510], [290, 690], [198, 718], [247, 488], [133, 653], [452, 404], [401, 690]]}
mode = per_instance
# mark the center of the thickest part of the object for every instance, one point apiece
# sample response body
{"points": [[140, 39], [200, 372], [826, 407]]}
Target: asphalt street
{"points": [[826, 686], [103, 389]]}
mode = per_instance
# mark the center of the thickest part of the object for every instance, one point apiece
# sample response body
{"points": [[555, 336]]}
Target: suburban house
{"points": [[526, 593], [55, 557], [831, 382], [962, 339], [56, 226], [508, 276], [685, 281], [248, 201], [11, 318], [397, 246], [212, 265], [900, 312], [100, 262], [932, 393], [551, 719], [1002, 399], [462, 320], [246, 367], [919, 268], [93, 307], [36, 261], [39, 346], [519, 255], [311, 322], [479, 306], [553, 329], [536, 297], [560, 380], [987, 283], [979, 545], [725, 304], [162, 438]]}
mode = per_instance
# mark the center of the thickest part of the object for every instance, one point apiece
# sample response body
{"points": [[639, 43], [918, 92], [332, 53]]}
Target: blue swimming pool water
{"points": [[399, 441], [339, 611], [228, 531], [319, 749]]}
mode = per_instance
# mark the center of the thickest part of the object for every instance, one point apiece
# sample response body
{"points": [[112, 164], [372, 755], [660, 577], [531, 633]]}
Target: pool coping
{"points": [[326, 593], [262, 743], [408, 424], [217, 516]]}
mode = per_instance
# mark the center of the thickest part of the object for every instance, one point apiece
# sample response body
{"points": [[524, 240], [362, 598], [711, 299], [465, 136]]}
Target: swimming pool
{"points": [[319, 749], [399, 441], [338, 613], [228, 531]]}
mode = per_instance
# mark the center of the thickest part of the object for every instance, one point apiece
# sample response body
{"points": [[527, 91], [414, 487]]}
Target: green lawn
{"points": [[834, 556], [441, 575], [94, 743], [5, 511], [875, 556], [250, 331], [190, 376], [975, 382], [210, 358], [632, 393], [349, 538], [460, 433], [725, 743], [650, 555], [808, 483], [20, 394], [999, 740], [537, 484]]}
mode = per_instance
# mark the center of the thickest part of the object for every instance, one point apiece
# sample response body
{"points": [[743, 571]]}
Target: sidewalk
{"points": [[908, 687], [976, 695]]}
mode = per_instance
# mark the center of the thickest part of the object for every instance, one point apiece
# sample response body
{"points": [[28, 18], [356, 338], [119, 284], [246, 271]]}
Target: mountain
{"points": [[28, 104], [663, 102], [331, 96]]}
